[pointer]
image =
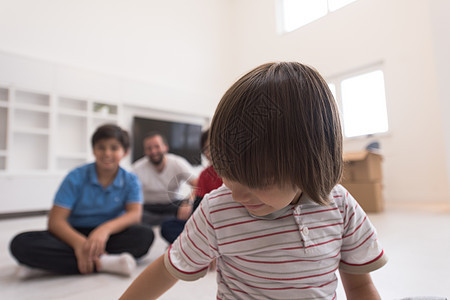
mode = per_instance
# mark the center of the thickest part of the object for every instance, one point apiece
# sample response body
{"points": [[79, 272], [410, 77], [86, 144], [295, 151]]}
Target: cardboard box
{"points": [[362, 166], [368, 195], [362, 178]]}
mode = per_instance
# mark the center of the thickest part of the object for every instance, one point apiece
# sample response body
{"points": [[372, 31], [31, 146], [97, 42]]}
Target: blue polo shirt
{"points": [[90, 203]]}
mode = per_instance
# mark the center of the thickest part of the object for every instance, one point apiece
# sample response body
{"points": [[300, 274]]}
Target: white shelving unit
{"points": [[4, 105], [48, 133], [48, 113]]}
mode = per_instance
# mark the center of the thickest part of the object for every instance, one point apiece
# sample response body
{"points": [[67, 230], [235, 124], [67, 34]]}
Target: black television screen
{"points": [[183, 138]]}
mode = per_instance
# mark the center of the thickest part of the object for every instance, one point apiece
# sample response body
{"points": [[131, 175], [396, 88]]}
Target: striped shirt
{"points": [[292, 253]]}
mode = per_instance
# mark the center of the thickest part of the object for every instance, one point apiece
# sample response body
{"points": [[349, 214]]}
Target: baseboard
{"points": [[23, 214]]}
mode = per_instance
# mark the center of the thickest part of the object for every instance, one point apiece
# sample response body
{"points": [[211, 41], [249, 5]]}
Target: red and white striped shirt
{"points": [[290, 254]]}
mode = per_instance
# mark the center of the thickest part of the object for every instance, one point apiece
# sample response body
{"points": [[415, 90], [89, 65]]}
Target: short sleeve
{"points": [[135, 194], [361, 251], [188, 258], [67, 192]]}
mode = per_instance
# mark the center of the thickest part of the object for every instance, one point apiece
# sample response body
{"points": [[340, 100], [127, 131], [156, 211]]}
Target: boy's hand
{"points": [[85, 264], [96, 242]]}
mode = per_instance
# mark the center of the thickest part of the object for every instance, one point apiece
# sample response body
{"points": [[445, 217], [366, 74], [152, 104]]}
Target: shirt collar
{"points": [[304, 199], [117, 183]]}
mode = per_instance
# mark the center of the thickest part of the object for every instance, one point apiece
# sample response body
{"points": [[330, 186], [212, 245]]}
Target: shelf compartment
{"points": [[31, 119], [66, 164], [69, 112], [31, 130], [71, 134], [32, 107], [70, 104], [31, 98], [30, 152], [4, 95], [3, 128], [104, 109]]}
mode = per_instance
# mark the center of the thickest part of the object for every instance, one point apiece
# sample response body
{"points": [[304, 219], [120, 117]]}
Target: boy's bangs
{"points": [[249, 155]]}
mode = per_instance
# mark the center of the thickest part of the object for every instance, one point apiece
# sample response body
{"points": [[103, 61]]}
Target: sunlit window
{"points": [[297, 13], [332, 87], [363, 103]]}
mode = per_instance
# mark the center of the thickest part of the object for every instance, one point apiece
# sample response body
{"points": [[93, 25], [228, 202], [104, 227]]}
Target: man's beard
{"points": [[156, 160]]}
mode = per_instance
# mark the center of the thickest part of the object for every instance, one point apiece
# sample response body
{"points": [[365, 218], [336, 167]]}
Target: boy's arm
{"points": [[58, 225], [132, 215], [359, 286], [152, 283]]}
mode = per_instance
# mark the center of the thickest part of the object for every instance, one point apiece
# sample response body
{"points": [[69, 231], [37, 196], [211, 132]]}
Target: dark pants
{"points": [[155, 214], [171, 229], [43, 250]]}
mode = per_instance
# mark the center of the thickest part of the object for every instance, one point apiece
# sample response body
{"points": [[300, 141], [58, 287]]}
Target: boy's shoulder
{"points": [[338, 194], [219, 200], [221, 195], [127, 174], [82, 171]]}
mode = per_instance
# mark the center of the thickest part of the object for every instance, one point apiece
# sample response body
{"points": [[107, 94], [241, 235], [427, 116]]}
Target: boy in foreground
{"points": [[280, 226]]}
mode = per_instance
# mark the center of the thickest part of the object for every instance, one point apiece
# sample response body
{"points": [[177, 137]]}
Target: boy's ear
{"points": [[126, 152]]}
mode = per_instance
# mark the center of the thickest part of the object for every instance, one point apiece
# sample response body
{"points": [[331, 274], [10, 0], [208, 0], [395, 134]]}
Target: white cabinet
{"points": [[4, 104], [44, 132], [29, 124]]}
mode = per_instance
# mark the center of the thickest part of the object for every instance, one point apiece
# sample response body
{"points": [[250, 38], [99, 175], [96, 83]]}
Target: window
{"points": [[362, 101], [297, 13]]}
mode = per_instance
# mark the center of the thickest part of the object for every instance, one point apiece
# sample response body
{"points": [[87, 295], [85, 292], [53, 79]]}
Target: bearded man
{"points": [[162, 175]]}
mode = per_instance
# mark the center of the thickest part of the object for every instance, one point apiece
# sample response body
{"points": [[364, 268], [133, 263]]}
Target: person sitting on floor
{"points": [[162, 175], [207, 181], [93, 225]]}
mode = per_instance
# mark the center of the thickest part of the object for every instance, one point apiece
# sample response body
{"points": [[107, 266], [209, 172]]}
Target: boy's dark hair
{"points": [[111, 131], [204, 138], [279, 124]]}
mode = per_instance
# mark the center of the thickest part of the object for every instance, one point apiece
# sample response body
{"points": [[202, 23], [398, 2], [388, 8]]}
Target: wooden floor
{"points": [[416, 242]]}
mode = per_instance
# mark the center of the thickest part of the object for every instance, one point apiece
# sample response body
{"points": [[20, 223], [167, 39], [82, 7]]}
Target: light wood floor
{"points": [[416, 242]]}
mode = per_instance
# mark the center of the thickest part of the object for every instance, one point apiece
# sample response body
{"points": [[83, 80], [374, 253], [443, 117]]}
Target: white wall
{"points": [[397, 33], [178, 45], [440, 11], [180, 56]]}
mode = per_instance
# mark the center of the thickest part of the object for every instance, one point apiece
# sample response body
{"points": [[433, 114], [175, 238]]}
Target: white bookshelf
{"points": [[48, 113], [42, 133], [4, 104]]}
